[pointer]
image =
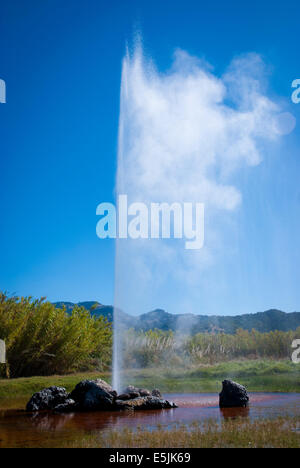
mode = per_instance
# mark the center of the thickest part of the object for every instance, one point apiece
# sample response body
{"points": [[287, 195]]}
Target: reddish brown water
{"points": [[20, 429]]}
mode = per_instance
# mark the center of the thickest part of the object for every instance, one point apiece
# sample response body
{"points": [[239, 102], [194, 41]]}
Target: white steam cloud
{"points": [[184, 135]]}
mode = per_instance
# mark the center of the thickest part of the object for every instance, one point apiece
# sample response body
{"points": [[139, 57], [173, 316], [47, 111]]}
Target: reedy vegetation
{"points": [[143, 349], [44, 340], [282, 432]]}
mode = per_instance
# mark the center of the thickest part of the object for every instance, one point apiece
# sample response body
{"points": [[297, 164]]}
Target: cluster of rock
{"points": [[96, 395], [233, 395]]}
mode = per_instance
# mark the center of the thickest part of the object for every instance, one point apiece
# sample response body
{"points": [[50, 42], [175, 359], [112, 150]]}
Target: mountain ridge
{"points": [[269, 320]]}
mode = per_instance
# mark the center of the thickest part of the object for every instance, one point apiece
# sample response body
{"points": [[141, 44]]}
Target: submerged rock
{"points": [[144, 403], [233, 395], [47, 399], [133, 403], [93, 395], [153, 402]]}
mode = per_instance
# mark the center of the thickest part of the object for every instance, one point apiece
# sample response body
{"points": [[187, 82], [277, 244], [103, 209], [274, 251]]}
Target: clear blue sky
{"points": [[61, 60]]}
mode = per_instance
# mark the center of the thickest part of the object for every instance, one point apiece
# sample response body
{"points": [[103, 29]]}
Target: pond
{"points": [[21, 429]]}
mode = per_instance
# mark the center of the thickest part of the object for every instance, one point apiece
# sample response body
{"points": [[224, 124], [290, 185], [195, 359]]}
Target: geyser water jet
{"points": [[183, 136]]}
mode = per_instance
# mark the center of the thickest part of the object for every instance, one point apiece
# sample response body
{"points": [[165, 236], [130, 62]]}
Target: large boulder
{"points": [[233, 395], [47, 399], [93, 395]]}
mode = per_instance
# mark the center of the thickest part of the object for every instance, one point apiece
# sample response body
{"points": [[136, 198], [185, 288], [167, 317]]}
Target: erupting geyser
{"points": [[183, 135]]}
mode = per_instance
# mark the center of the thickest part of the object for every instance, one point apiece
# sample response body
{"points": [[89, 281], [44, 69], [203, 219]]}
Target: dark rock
{"points": [[144, 403], [124, 396], [144, 392], [47, 399], [68, 407], [129, 404], [97, 395], [93, 395], [171, 404], [233, 395], [131, 389], [158, 403], [121, 405]]}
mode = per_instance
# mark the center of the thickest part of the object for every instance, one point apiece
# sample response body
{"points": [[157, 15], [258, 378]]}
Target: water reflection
{"points": [[20, 429], [49, 422], [235, 413]]}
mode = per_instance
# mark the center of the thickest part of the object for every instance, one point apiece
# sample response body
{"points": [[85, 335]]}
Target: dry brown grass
{"points": [[277, 433]]}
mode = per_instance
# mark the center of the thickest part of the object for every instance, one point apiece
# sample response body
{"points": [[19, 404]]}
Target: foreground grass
{"points": [[277, 433], [268, 376]]}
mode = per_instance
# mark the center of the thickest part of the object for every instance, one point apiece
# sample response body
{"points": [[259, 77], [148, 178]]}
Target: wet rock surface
{"points": [[233, 395], [47, 399], [93, 395], [145, 403], [135, 392], [97, 395], [68, 407]]}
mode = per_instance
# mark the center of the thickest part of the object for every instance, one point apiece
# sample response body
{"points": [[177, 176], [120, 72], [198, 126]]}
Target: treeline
{"points": [[43, 340], [156, 347]]}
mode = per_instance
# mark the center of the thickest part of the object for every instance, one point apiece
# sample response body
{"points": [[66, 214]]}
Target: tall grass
{"points": [[278, 433], [156, 347], [44, 340]]}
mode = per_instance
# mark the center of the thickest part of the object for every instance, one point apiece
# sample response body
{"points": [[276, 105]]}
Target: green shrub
{"points": [[43, 340]]}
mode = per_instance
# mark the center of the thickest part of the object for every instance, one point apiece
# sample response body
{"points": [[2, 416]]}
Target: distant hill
{"points": [[267, 321]]}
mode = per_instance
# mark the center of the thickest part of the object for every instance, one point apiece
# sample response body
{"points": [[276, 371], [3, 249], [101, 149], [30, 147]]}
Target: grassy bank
{"points": [[277, 433], [24, 387], [269, 376], [256, 375]]}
